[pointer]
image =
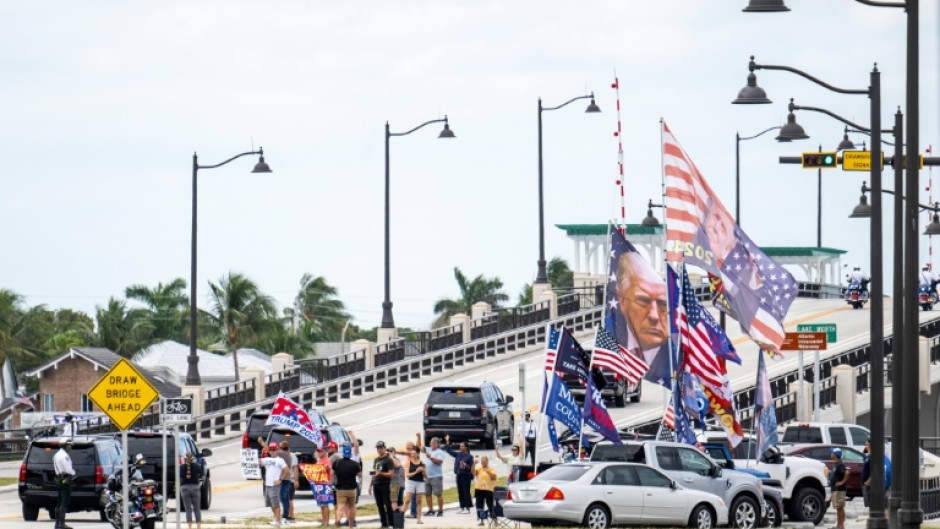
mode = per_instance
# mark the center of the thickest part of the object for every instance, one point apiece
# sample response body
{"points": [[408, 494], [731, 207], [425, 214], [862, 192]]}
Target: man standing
{"points": [[289, 486], [275, 473], [382, 470], [64, 475], [463, 470], [530, 431], [837, 482], [346, 471], [434, 484]]}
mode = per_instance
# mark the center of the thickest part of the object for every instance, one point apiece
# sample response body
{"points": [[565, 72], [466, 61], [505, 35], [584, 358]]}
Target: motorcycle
{"points": [[856, 295], [927, 296], [145, 506]]}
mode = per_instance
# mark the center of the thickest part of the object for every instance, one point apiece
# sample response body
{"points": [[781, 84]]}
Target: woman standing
{"points": [[190, 471], [414, 486], [483, 490], [463, 471]]}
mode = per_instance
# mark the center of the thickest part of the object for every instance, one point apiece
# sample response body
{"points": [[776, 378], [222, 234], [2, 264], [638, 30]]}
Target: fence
{"points": [[332, 367]]}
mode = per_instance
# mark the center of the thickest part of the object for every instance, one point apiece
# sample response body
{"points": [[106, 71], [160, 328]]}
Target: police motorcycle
{"points": [[856, 293], [145, 507], [927, 295]]}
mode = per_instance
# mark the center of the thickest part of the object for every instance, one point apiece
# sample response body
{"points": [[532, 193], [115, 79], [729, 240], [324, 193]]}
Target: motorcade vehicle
{"points": [[825, 433], [855, 295], [150, 444], [695, 470], [803, 483], [852, 458], [927, 296], [616, 390], [145, 504], [469, 412], [93, 458], [600, 495]]}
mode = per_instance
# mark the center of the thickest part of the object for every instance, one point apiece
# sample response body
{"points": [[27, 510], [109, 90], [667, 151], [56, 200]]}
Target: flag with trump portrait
{"points": [[700, 232]]}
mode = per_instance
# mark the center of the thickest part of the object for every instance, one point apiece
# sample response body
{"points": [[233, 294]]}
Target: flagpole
{"points": [[590, 366], [672, 316]]}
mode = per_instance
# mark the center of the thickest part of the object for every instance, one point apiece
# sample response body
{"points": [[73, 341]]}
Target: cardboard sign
{"points": [[249, 463]]}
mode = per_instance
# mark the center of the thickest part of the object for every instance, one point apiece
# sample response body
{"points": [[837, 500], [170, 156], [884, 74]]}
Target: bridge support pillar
{"points": [[923, 349], [256, 374], [369, 348], [385, 335], [846, 384], [464, 321], [479, 310], [199, 398], [551, 298], [804, 400]]}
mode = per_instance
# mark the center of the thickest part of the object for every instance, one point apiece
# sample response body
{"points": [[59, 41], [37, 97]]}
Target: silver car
{"points": [[599, 495]]}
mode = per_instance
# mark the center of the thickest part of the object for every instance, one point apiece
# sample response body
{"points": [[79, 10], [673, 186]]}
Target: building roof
{"points": [[105, 359], [801, 251], [602, 229], [170, 358]]}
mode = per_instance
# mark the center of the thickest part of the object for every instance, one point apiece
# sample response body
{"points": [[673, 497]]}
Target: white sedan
{"points": [[599, 495]]}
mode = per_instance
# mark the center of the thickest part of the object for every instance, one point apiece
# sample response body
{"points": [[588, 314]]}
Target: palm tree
{"points": [[15, 326], [240, 312], [167, 306], [474, 291], [559, 276], [321, 311], [123, 331]]}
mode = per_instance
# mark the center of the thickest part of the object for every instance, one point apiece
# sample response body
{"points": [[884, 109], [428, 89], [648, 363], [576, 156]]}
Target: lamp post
{"points": [[388, 322], [737, 169], [192, 371], [905, 507], [542, 276], [876, 505]]}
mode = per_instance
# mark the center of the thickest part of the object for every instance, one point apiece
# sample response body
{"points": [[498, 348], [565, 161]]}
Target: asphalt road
{"points": [[395, 415]]}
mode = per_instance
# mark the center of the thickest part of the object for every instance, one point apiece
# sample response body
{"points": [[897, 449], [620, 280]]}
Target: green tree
{"points": [[19, 329], [167, 308], [473, 291], [240, 312], [324, 315], [121, 330], [559, 275]]}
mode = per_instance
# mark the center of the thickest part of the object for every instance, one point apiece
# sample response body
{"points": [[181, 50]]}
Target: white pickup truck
{"points": [[834, 433]]}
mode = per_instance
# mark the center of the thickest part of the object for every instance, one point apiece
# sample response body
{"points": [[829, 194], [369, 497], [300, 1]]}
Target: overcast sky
{"points": [[104, 102]]}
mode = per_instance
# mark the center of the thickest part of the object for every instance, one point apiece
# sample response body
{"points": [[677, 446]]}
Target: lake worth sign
{"points": [[123, 394]]}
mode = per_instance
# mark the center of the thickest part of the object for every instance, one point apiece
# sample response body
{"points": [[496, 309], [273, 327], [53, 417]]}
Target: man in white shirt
{"points": [[857, 276], [927, 277], [529, 432], [275, 472], [64, 475]]}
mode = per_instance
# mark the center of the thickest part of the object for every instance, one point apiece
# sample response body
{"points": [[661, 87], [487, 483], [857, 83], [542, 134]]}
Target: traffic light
{"points": [[820, 160]]}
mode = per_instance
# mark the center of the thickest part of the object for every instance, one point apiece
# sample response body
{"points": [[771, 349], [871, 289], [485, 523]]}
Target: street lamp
{"points": [[737, 169], [650, 221], [765, 6], [905, 507], [877, 506], [388, 322], [542, 277], [192, 371]]}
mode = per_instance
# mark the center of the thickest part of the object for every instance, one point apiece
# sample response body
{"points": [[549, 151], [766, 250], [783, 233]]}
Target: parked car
{"points": [[853, 459], [804, 482], [150, 444], [599, 495], [93, 458], [826, 433], [306, 450], [617, 389], [469, 412], [695, 470]]}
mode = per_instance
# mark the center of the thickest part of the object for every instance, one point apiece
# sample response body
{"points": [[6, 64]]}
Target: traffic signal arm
{"points": [[889, 160]]}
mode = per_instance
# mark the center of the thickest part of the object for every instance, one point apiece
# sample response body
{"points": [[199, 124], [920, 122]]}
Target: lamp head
{"points": [[934, 227], [262, 166], [765, 6], [650, 221], [862, 210], [846, 144], [752, 94], [792, 130], [446, 132], [592, 107]]}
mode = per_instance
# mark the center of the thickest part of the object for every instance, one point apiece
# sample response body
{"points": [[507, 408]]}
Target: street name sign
{"points": [[123, 394], [828, 328], [858, 160], [804, 341], [178, 410]]}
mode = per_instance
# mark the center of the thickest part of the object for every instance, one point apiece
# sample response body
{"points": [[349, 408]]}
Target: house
{"points": [[65, 381], [169, 360]]}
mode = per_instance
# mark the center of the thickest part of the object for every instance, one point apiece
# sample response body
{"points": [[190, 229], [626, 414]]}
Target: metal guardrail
{"points": [[230, 396], [331, 367], [278, 381]]}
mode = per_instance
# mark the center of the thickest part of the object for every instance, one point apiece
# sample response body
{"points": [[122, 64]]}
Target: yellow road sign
{"points": [[123, 394], [859, 160]]}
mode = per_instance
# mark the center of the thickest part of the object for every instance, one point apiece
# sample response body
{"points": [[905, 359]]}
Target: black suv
{"points": [[469, 411], [304, 449], [616, 389], [257, 428], [150, 444], [93, 459]]}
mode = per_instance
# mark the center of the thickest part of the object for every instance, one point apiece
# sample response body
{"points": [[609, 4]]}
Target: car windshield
{"points": [[563, 473], [150, 446], [298, 443], [454, 396]]}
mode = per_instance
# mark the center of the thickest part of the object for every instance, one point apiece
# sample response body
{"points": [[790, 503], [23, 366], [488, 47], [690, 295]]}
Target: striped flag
{"points": [[669, 419], [613, 356], [701, 342], [551, 348], [700, 232]]}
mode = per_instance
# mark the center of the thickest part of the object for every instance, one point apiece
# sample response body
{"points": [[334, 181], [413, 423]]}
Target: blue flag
{"points": [[596, 415], [561, 406], [764, 409], [553, 435], [684, 431], [572, 359]]}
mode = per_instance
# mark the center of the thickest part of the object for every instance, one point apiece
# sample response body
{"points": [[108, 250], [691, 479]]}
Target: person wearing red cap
{"points": [[275, 472]]}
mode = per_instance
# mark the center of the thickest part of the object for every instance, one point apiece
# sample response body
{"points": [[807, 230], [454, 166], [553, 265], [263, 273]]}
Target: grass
{"points": [[365, 509], [8, 481]]}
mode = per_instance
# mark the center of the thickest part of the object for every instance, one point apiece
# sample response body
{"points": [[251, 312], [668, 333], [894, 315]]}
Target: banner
{"points": [[289, 414], [249, 463]]}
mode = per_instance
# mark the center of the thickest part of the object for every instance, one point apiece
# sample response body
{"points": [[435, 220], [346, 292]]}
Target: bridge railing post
{"points": [[845, 391]]}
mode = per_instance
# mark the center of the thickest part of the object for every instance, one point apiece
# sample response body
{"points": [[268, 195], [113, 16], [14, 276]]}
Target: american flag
{"points": [[766, 417], [551, 348], [669, 419], [699, 341], [613, 356], [701, 232]]}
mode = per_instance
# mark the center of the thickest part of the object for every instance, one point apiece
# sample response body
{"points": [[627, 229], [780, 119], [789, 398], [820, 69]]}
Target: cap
{"points": [[272, 446], [347, 451], [332, 445], [837, 452], [380, 444]]}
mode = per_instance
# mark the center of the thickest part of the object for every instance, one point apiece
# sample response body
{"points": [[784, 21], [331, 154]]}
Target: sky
{"points": [[104, 103]]}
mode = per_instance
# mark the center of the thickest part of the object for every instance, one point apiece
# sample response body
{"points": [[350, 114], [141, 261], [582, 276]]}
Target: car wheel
{"points": [[149, 523], [103, 516], [205, 495], [639, 392], [702, 518], [30, 512], [774, 516], [744, 513], [808, 506], [597, 517], [51, 511]]}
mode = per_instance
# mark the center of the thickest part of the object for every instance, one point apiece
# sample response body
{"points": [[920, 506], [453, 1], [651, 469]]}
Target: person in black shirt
{"points": [[837, 481], [190, 472], [345, 471], [463, 470], [383, 468]]}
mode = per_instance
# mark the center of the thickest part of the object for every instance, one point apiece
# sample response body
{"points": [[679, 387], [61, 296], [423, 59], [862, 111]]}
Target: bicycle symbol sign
{"points": [[178, 410]]}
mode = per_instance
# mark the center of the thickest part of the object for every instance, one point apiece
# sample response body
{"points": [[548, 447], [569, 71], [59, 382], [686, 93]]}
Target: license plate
{"points": [[454, 415]]}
